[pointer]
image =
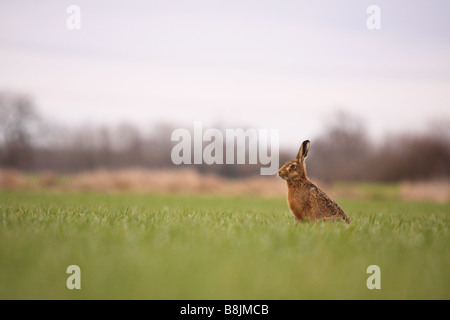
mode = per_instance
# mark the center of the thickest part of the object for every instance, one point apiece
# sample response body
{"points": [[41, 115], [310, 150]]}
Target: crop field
{"points": [[150, 246]]}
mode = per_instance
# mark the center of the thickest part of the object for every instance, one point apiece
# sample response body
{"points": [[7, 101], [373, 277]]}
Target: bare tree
{"points": [[414, 157], [341, 152], [19, 123]]}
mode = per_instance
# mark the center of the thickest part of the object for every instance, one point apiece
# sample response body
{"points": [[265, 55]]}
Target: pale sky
{"points": [[278, 64]]}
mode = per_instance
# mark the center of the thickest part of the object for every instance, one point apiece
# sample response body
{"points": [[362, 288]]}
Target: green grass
{"points": [[131, 246]]}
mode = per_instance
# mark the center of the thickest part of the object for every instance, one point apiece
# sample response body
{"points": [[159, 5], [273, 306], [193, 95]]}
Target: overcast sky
{"points": [[284, 65]]}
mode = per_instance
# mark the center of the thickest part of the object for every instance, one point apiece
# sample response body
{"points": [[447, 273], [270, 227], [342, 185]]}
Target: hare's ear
{"points": [[303, 151]]}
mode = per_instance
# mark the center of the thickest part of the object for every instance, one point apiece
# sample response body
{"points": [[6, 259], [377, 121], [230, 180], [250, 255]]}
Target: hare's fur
{"points": [[305, 199]]}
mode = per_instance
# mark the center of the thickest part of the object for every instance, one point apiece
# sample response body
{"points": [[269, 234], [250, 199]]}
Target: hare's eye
{"points": [[292, 166]]}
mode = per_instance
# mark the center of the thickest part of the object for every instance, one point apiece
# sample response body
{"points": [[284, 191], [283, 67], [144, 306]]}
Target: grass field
{"points": [[132, 246]]}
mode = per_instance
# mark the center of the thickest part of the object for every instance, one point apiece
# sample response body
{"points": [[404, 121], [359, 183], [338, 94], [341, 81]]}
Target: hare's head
{"points": [[295, 169]]}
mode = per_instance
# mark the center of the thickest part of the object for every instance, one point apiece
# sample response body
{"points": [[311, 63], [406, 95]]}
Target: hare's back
{"points": [[324, 206]]}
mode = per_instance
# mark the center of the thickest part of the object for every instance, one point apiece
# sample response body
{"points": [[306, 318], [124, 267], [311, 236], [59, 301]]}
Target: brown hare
{"points": [[305, 199]]}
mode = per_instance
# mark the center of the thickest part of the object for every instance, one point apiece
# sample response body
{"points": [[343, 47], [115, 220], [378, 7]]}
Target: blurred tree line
{"points": [[343, 152]]}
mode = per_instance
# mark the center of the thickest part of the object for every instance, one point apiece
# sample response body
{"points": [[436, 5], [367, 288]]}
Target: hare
{"points": [[305, 199]]}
